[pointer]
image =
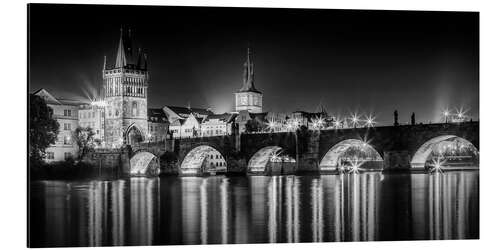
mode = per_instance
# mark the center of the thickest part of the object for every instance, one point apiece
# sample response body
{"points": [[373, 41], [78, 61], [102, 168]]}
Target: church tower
{"points": [[248, 97], [125, 93]]}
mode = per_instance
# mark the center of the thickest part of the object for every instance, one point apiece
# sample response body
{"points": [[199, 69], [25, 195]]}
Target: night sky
{"points": [[346, 60]]}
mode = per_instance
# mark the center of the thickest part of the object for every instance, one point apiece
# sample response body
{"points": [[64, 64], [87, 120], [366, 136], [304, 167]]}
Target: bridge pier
{"points": [[397, 160]]}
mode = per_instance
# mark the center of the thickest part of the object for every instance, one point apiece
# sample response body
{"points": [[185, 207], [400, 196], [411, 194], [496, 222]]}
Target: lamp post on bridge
{"points": [[294, 126]]}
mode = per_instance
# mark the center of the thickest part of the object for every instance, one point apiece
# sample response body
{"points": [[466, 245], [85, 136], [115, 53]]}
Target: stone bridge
{"points": [[403, 146]]}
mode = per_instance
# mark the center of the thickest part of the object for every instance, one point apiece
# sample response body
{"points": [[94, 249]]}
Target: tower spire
{"points": [[104, 64], [248, 73], [121, 58]]}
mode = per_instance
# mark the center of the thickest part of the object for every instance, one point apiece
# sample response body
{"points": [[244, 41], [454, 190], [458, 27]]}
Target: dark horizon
{"points": [[346, 60]]}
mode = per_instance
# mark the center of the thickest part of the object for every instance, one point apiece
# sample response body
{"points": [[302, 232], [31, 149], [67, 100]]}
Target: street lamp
{"points": [[271, 125], [354, 120], [370, 121], [446, 113], [318, 123], [293, 126], [149, 138]]}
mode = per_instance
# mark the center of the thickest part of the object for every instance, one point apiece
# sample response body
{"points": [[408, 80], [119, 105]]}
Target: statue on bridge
{"points": [[396, 118]]}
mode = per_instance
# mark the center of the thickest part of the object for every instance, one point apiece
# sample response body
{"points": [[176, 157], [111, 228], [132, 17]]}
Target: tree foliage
{"points": [[43, 128], [84, 138]]}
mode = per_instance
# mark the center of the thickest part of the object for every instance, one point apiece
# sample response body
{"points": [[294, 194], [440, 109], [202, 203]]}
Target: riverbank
{"points": [[70, 170]]}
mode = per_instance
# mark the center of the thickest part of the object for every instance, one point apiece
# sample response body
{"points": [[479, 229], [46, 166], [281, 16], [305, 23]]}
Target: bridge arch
{"points": [[349, 152], [259, 160], [203, 159], [144, 163], [443, 146]]}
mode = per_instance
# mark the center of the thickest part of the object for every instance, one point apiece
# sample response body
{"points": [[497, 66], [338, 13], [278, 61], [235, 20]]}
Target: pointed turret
{"points": [[121, 58], [248, 74], [142, 62], [104, 64]]}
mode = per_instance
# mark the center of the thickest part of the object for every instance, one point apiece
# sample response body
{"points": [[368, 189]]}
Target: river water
{"points": [[255, 209]]}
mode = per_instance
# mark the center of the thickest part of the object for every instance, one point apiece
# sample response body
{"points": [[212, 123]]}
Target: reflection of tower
{"points": [[248, 97], [125, 93]]}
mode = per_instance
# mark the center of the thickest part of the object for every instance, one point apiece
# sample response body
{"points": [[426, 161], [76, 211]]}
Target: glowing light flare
{"points": [[354, 119], [98, 103], [354, 165], [437, 164], [272, 124], [370, 121], [461, 113], [292, 125], [318, 122], [275, 156], [337, 124]]}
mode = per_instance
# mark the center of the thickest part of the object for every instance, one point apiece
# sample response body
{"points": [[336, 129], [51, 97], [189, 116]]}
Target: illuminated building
{"points": [[218, 124], [157, 124], [125, 94], [185, 122], [66, 113], [92, 116]]}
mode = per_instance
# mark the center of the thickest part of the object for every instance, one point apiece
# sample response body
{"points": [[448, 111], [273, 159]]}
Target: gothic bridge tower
{"points": [[248, 97], [125, 87]]}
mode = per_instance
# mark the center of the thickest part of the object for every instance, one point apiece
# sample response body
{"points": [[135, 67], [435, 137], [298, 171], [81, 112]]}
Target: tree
{"points": [[84, 138], [43, 128]]}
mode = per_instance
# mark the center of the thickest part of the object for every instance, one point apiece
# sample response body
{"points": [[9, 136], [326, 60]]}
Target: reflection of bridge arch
{"points": [[351, 150], [144, 163], [423, 153], [259, 160], [203, 159]]}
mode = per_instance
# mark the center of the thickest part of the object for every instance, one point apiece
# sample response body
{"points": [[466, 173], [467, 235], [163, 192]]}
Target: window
{"points": [[67, 112], [67, 126], [97, 131], [134, 109], [68, 155], [93, 114], [50, 155]]}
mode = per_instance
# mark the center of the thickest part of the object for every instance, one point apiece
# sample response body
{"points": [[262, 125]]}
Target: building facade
{"points": [[157, 125], [186, 128], [185, 122], [125, 94], [66, 113], [218, 125], [92, 116], [248, 97]]}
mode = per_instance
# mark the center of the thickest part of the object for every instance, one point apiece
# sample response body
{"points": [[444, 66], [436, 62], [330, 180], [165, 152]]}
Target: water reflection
{"points": [[217, 209]]}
